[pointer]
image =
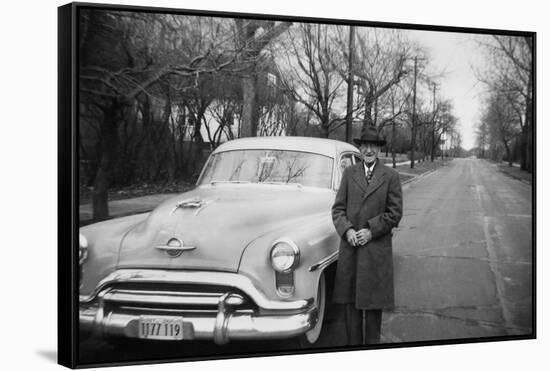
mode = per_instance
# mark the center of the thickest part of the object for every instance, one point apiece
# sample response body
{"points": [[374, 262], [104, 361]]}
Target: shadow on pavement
{"points": [[50, 355]]}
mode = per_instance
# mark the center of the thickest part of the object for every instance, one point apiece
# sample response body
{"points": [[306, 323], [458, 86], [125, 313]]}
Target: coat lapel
{"points": [[359, 176], [377, 179]]}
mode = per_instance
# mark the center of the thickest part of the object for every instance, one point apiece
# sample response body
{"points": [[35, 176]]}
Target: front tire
{"points": [[312, 336]]}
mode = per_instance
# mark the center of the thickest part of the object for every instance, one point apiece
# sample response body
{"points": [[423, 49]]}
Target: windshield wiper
{"points": [[248, 182], [284, 183], [229, 181]]}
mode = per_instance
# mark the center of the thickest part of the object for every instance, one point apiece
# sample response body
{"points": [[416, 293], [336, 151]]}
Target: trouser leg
{"points": [[362, 326], [373, 325], [353, 319]]}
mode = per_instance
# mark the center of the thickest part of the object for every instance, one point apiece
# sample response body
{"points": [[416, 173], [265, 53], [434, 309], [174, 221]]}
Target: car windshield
{"points": [[269, 166]]}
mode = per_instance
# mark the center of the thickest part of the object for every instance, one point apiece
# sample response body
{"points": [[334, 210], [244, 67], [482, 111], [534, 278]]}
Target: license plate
{"points": [[161, 328]]}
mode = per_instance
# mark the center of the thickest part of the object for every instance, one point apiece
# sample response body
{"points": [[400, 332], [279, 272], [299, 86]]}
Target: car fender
{"points": [[317, 241], [103, 248]]}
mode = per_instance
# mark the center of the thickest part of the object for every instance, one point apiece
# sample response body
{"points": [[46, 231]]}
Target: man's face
{"points": [[369, 152]]}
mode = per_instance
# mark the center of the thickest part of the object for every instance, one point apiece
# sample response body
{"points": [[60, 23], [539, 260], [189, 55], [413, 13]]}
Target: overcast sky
{"points": [[455, 54]]}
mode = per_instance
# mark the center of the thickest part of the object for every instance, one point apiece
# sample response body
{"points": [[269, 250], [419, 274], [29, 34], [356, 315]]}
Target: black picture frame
{"points": [[68, 178]]}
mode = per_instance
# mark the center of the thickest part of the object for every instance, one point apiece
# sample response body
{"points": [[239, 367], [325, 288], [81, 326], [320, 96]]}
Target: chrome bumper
{"points": [[278, 320], [222, 328]]}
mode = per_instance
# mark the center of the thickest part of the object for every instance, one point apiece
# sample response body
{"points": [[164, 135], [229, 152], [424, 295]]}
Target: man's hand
{"points": [[363, 236], [351, 237]]}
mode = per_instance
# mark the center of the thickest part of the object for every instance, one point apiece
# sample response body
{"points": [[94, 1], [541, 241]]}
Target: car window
{"points": [[269, 166], [347, 159]]}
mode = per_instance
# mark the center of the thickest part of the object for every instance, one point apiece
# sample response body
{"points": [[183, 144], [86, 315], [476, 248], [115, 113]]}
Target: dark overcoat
{"points": [[364, 274]]}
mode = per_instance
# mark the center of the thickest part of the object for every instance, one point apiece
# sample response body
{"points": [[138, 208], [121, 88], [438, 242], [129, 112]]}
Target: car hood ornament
{"points": [[192, 203]]}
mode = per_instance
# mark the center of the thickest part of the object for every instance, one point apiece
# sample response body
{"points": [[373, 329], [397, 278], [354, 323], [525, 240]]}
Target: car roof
{"points": [[326, 147]]}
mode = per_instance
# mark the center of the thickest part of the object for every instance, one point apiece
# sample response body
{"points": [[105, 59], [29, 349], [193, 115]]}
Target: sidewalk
{"points": [[514, 164], [515, 172], [125, 207], [407, 175], [408, 162], [143, 204]]}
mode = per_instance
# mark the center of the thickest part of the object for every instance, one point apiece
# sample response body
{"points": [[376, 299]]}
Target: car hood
{"points": [[217, 222]]}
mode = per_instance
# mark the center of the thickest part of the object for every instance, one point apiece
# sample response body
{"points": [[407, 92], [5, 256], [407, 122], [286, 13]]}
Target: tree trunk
{"points": [[349, 101], [508, 154], [198, 140], [167, 138], [324, 129], [108, 145], [525, 151], [148, 161], [367, 120], [393, 143], [529, 148], [432, 154], [250, 114], [413, 128], [528, 140], [183, 133], [325, 122]]}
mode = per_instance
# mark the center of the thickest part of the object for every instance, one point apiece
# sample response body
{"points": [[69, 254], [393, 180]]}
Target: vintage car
{"points": [[247, 254]]}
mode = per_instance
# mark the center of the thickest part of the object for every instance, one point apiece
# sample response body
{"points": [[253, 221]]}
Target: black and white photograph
{"points": [[248, 185]]}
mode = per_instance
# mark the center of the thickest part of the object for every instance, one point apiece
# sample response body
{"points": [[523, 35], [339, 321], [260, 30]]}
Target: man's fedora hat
{"points": [[370, 135]]}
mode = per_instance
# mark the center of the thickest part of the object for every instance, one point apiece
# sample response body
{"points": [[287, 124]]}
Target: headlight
{"points": [[82, 248], [285, 255]]}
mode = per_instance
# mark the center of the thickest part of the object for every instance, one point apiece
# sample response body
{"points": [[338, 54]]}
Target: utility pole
{"points": [[432, 154], [443, 144], [413, 131], [350, 84], [393, 131]]}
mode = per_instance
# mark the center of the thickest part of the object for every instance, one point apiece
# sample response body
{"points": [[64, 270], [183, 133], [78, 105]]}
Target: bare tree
{"points": [[455, 149], [126, 55], [253, 36], [443, 121], [380, 64], [227, 112], [502, 122], [310, 75], [273, 119], [482, 138], [510, 72]]}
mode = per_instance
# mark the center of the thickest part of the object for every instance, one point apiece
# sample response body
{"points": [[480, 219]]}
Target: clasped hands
{"points": [[358, 238]]}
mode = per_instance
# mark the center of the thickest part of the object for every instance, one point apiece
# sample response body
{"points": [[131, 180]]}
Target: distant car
{"points": [[247, 254]]}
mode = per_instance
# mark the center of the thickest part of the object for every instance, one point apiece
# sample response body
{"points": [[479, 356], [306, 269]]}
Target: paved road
{"points": [[463, 255], [462, 268]]}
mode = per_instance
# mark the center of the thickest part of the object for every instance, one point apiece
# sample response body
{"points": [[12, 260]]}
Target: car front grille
{"points": [[174, 298]]}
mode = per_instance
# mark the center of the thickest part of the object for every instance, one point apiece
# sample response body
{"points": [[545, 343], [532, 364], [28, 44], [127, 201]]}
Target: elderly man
{"points": [[367, 207]]}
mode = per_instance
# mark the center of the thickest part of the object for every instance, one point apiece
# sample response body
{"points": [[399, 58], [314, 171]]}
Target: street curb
{"points": [[507, 173], [85, 222], [515, 177], [414, 179]]}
